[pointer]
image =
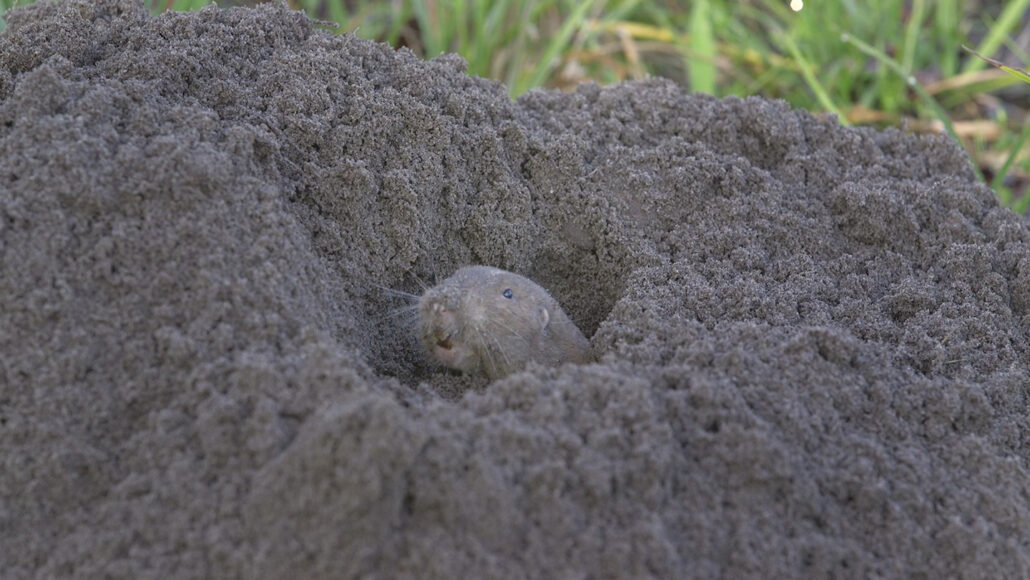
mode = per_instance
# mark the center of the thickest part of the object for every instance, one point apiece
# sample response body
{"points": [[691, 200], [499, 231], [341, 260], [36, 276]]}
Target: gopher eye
{"points": [[507, 293]]}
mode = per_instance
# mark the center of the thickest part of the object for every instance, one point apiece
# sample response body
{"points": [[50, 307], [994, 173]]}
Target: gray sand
{"points": [[812, 339]]}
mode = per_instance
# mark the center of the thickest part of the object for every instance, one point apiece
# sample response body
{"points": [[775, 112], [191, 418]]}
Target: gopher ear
{"points": [[544, 317]]}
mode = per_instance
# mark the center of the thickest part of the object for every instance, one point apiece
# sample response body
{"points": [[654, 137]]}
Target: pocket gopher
{"points": [[491, 322]]}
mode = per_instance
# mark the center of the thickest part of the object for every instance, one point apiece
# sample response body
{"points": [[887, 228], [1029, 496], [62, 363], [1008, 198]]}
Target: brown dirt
{"points": [[814, 339]]}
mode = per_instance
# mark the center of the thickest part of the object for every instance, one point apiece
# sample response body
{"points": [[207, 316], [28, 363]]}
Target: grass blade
{"points": [[549, 59], [428, 31], [811, 80], [946, 16], [912, 30], [461, 26], [1009, 19], [999, 177], [1016, 72], [701, 68]]}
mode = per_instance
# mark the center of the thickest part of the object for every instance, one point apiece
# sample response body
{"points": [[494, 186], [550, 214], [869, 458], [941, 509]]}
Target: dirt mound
{"points": [[812, 339]]}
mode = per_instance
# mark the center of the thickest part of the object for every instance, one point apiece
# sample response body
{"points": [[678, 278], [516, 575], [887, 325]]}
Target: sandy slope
{"points": [[813, 340]]}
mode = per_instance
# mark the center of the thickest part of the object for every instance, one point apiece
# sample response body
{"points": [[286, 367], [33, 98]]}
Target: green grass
{"points": [[880, 62]]}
